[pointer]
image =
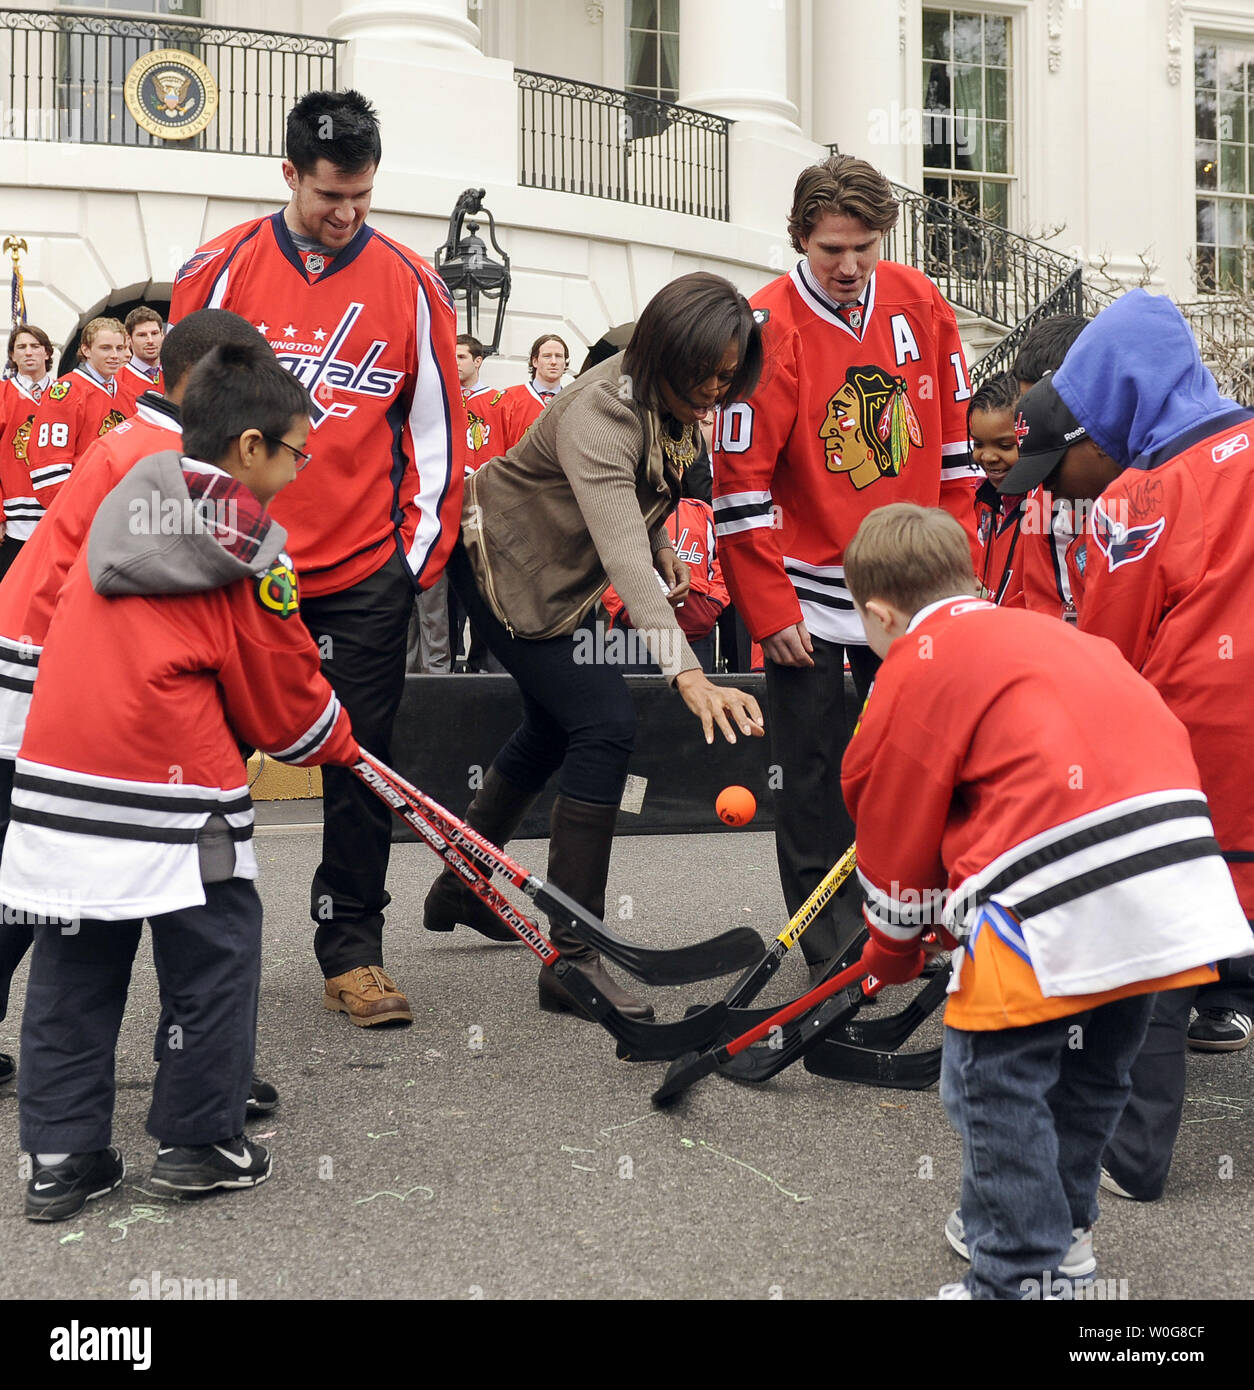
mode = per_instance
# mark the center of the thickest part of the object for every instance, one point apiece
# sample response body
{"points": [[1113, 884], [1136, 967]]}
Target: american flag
{"points": [[18, 307]]}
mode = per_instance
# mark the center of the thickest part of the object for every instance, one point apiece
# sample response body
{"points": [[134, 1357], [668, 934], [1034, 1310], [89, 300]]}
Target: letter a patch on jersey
{"points": [[277, 590]]}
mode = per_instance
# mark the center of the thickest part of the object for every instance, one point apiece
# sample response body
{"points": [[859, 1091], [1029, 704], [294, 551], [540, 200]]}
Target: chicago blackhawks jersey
{"points": [[516, 409], [1167, 568], [372, 335], [132, 383], [1023, 787], [28, 593], [73, 412], [111, 792], [845, 419], [18, 404], [482, 430]]}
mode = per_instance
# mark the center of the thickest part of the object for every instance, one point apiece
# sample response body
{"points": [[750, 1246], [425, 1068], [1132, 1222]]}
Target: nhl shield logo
{"points": [[315, 264]]}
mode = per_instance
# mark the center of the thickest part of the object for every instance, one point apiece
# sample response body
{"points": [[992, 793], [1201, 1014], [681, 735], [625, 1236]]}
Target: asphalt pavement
{"points": [[491, 1151]]}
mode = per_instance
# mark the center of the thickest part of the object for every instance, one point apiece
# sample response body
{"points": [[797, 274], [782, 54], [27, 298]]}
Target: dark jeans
{"points": [[362, 632], [577, 713], [1034, 1108], [809, 725], [208, 963]]}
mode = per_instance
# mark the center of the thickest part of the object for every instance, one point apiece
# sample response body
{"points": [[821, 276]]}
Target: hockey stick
{"points": [[898, 1071], [732, 950], [686, 1071], [888, 1034], [750, 985], [652, 1041]]}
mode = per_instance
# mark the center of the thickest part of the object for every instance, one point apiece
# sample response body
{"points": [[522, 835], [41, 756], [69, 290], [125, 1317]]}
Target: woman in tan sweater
{"points": [[577, 504]]}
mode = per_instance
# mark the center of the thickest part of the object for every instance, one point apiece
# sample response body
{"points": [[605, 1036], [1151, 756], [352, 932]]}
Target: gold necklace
{"points": [[681, 451]]}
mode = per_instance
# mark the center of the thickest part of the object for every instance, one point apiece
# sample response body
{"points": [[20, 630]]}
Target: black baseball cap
{"points": [[1046, 429]]}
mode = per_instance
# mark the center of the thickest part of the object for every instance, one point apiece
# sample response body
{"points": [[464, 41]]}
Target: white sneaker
{"points": [[1078, 1261], [1110, 1185], [949, 1292]]}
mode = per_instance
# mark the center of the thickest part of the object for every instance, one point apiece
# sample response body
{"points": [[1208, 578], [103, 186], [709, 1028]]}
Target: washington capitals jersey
{"points": [[74, 411], [845, 419], [372, 336]]}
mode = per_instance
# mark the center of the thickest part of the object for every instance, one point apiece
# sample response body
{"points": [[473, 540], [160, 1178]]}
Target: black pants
{"points": [[10, 548], [577, 715], [208, 963], [809, 725], [361, 632], [15, 937]]}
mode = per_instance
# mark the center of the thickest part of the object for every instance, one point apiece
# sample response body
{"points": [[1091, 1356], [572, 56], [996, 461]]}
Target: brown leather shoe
{"points": [[368, 996]]}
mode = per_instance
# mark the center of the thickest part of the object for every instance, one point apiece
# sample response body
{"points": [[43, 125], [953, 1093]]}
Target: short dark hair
{"points": [[683, 333], [1044, 346], [143, 314], [1000, 392], [845, 185], [198, 334], [233, 389], [38, 333], [342, 127], [538, 344], [468, 340]]}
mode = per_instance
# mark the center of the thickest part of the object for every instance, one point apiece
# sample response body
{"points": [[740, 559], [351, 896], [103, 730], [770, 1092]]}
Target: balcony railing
{"points": [[66, 71], [575, 137]]}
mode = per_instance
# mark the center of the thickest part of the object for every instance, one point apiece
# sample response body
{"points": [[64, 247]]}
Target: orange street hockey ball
{"points": [[736, 805]]}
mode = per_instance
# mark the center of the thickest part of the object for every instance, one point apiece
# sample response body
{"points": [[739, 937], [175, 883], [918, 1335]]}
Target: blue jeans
{"points": [[1034, 1108]]}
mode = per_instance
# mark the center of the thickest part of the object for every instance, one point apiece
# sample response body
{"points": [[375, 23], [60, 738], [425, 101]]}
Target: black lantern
{"points": [[467, 269]]}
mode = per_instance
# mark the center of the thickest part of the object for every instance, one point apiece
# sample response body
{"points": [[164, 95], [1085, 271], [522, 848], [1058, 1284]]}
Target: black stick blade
{"points": [[662, 1042], [888, 1034], [895, 1071], [683, 1073], [763, 1061]]}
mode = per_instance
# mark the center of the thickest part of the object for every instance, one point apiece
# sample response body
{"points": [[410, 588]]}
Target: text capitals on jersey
{"points": [[322, 367]]}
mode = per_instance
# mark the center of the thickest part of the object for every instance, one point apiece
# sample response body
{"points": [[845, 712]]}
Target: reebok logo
{"points": [[1227, 447]]}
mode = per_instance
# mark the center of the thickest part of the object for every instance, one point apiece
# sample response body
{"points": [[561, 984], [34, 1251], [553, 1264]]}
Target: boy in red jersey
{"points": [[29, 593], [862, 402], [77, 409], [1079, 872], [369, 329], [134, 805]]}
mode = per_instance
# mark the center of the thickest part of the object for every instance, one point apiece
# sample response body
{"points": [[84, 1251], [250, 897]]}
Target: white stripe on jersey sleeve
{"points": [[431, 417], [742, 511]]}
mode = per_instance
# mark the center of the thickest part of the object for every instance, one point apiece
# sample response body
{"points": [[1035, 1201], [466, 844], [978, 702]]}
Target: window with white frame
{"points": [[968, 116], [653, 49], [1223, 134]]}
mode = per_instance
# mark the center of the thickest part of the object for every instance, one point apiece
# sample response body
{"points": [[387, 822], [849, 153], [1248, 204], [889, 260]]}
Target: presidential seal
{"points": [[171, 94]]}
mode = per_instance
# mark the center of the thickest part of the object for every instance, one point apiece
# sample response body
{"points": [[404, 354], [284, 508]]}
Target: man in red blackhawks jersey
{"points": [[369, 329], [862, 403]]}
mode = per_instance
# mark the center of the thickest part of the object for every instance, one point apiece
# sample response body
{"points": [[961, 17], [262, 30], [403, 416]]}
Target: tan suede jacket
{"points": [[577, 504]]}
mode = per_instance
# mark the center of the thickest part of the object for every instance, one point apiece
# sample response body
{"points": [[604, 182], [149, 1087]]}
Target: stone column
{"points": [[861, 97]]}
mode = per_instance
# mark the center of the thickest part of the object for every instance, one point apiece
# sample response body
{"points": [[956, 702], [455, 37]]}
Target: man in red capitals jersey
{"points": [[1018, 785], [1169, 579], [145, 333], [30, 357], [369, 329], [28, 595], [862, 402], [77, 409]]}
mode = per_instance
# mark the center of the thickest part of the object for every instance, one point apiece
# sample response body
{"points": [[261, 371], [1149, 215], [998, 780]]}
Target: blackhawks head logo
{"points": [[477, 432], [870, 427], [114, 417], [276, 589]]}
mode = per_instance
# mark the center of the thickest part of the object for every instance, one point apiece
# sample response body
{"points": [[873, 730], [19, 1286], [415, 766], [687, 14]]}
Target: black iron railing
{"points": [[1224, 328], [575, 137], [66, 73], [977, 264]]}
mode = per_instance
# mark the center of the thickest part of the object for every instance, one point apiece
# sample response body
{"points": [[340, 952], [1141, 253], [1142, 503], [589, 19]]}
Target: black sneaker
{"points": [[8, 1068], [64, 1189], [1219, 1030], [235, 1162], [262, 1099]]}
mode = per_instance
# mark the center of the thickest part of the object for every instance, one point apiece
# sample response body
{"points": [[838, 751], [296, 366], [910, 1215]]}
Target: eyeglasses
{"points": [[302, 458]]}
